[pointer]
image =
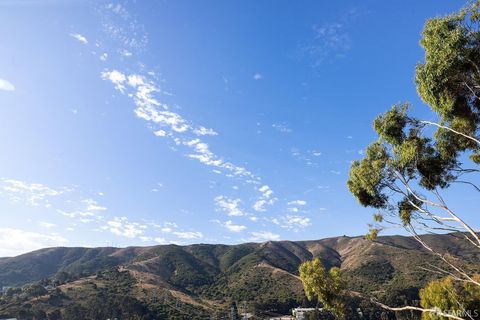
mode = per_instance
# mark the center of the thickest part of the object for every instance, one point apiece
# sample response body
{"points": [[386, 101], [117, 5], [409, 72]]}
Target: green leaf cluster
{"points": [[327, 286], [448, 80], [458, 298]]}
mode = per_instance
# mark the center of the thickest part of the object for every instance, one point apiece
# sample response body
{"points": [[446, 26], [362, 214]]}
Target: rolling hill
{"points": [[177, 282]]}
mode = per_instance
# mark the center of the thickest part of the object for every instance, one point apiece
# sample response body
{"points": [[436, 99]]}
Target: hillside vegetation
{"points": [[177, 282]]}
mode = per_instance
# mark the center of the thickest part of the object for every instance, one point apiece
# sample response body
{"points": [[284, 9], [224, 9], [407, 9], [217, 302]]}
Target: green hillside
{"points": [[177, 282]]}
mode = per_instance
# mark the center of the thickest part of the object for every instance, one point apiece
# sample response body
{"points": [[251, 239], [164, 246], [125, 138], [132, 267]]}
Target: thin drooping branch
{"points": [[431, 310], [463, 171], [436, 311], [471, 90], [466, 277], [445, 208], [469, 183], [450, 129]]}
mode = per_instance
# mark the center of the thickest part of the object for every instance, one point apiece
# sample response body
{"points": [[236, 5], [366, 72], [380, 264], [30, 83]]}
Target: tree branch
{"points": [[450, 129]]}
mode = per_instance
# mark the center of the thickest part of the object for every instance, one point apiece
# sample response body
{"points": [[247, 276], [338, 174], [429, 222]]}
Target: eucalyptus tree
{"points": [[407, 171], [326, 286]]}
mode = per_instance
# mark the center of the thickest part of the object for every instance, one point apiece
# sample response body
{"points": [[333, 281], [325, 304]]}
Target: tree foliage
{"points": [[327, 286], [448, 81], [462, 299], [407, 170]]}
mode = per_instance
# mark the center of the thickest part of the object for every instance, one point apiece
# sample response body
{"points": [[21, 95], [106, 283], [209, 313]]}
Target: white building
{"points": [[299, 313]]}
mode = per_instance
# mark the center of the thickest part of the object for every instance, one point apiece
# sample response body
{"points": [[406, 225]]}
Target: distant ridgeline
{"points": [[202, 281]]}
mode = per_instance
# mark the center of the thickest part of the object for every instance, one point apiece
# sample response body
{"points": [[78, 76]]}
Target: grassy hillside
{"points": [[167, 282]]}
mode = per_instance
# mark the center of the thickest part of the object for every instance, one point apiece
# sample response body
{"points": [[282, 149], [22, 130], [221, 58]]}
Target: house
{"points": [[49, 287], [299, 313]]}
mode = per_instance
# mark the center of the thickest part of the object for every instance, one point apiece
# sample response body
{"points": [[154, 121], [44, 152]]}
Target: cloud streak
{"points": [[79, 37], [6, 85], [166, 123], [330, 41], [33, 194]]}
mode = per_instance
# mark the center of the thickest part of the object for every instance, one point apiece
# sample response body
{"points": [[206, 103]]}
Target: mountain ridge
{"points": [[205, 277]]}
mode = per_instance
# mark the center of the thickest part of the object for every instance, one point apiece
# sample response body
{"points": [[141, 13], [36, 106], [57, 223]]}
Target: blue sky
{"points": [[135, 123]]}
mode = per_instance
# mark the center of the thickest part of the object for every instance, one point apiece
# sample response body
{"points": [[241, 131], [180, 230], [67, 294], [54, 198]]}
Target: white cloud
{"points": [[188, 234], [166, 123], [306, 157], [295, 222], [157, 189], [262, 236], [202, 131], [120, 226], [6, 85], [330, 42], [172, 228], [104, 56], [77, 213], [15, 241], [124, 28], [47, 225], [259, 205], [160, 240], [229, 205], [231, 226], [257, 76], [89, 212], [160, 133], [125, 53], [79, 37], [264, 199], [282, 127], [92, 205], [297, 203], [116, 77], [167, 227], [33, 194]]}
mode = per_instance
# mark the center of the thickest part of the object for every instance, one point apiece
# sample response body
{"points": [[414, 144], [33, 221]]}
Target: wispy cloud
{"points": [[80, 37], [33, 194], [231, 226], [266, 198], [188, 234], [123, 27], [16, 241], [88, 210], [262, 236], [297, 203], [92, 205], [330, 41], [120, 226], [282, 127], [47, 225], [202, 131], [166, 123], [257, 76], [6, 85], [295, 222], [230, 206], [308, 157]]}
